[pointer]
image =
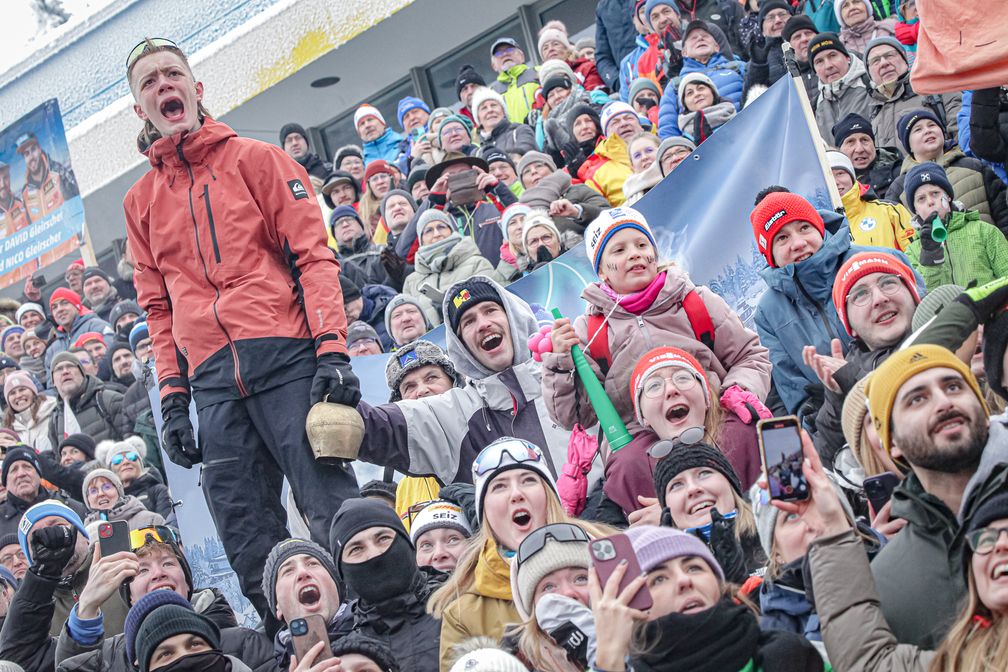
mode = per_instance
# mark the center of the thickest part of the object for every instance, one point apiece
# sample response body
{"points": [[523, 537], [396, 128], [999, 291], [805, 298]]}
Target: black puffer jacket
{"points": [[13, 508], [989, 125], [136, 400], [883, 170], [99, 412], [109, 655], [366, 256], [150, 489]]}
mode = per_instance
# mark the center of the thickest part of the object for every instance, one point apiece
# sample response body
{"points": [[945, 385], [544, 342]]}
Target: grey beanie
{"points": [[413, 356], [288, 548], [584, 43], [535, 157], [669, 143], [429, 215], [639, 85], [933, 303], [886, 39], [359, 330], [402, 300], [101, 473], [397, 192]]}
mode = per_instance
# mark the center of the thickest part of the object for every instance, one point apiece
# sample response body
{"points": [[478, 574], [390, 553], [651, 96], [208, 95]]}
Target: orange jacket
{"points": [[232, 267]]}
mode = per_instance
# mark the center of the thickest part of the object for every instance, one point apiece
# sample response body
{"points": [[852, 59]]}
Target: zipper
{"points": [[206, 273], [213, 229], [818, 307]]}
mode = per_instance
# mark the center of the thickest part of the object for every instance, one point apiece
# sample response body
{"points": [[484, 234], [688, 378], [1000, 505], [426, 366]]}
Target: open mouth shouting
{"points": [[490, 342], [172, 109], [677, 413], [309, 596], [999, 570], [522, 518]]}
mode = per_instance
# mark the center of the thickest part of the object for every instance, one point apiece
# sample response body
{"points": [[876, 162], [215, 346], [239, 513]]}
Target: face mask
{"points": [[207, 661], [385, 576], [543, 255]]}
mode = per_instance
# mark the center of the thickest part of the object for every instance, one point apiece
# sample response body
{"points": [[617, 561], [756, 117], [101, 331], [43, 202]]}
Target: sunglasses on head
{"points": [[143, 46], [689, 437], [155, 533], [130, 455]]}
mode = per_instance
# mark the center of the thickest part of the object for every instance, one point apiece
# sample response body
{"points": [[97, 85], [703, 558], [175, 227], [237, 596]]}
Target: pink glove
{"points": [[744, 404], [540, 342], [572, 485]]}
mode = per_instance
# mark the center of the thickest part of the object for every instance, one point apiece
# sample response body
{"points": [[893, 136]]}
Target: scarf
{"points": [[435, 255], [864, 30], [492, 577], [638, 301], [700, 124]]}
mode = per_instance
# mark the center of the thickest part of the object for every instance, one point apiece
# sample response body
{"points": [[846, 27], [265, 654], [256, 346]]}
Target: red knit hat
{"points": [[375, 167], [87, 338], [659, 358], [865, 263], [67, 295], [774, 212]]}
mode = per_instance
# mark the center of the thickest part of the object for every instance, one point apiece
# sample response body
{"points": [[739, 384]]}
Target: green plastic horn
{"points": [[939, 233], [613, 428]]}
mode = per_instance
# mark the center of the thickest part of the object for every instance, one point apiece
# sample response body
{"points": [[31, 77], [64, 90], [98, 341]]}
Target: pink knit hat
{"points": [[654, 545], [18, 379]]}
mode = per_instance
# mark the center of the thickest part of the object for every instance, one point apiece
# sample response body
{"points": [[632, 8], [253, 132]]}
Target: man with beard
{"points": [[99, 293], [47, 183], [931, 416], [294, 140]]}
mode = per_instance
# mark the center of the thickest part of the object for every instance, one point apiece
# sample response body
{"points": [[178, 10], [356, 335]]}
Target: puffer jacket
{"points": [[365, 255], [989, 125], [886, 109], [797, 310], [150, 489], [965, 134], [736, 359], [482, 611], [82, 324], [387, 146], [614, 36], [728, 76], [13, 507], [850, 93], [857, 37], [273, 257], [99, 412], [518, 84], [785, 606], [511, 138], [130, 509], [628, 65], [607, 169], [441, 265], [876, 222], [441, 435], [35, 433], [109, 654], [973, 184], [975, 251]]}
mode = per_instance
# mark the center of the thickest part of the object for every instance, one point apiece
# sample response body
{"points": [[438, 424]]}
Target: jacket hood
{"points": [[164, 152], [856, 76], [210, 602], [377, 296], [521, 322], [817, 272]]}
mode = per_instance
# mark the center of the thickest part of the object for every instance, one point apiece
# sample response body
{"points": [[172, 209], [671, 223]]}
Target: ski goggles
{"points": [[561, 532], [155, 533], [414, 510], [499, 452], [119, 458], [143, 46]]}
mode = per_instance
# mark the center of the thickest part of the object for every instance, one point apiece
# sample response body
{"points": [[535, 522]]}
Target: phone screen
{"points": [[782, 451]]}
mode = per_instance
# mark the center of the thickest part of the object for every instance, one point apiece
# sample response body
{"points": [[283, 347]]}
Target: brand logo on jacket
{"points": [[867, 224], [297, 189]]}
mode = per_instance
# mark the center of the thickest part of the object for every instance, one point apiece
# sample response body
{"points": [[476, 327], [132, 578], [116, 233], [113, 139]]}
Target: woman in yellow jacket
{"points": [[872, 221], [515, 494]]}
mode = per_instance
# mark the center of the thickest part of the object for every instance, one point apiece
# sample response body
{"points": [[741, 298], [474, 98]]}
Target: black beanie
{"points": [[292, 128], [96, 272], [9, 539], [377, 651], [995, 340], [286, 549], [379, 488], [467, 75], [81, 442], [167, 621], [19, 453], [796, 23], [464, 295], [824, 41], [577, 111], [768, 6], [850, 124], [690, 457], [359, 514], [993, 508], [349, 288]]}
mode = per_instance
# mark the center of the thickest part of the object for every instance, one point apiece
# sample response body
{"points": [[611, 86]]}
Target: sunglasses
{"points": [[689, 437], [414, 510], [145, 45], [491, 457], [155, 533], [130, 455], [536, 540]]}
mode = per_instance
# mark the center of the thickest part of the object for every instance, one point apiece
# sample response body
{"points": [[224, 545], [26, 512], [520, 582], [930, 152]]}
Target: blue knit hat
{"points": [[651, 4], [138, 612], [49, 507], [908, 120], [410, 103], [6, 576], [925, 173], [138, 333]]}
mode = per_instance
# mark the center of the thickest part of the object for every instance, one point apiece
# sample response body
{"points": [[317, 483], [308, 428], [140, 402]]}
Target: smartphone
{"points": [[307, 632], [878, 489], [39, 280], [606, 554], [781, 452], [114, 537]]}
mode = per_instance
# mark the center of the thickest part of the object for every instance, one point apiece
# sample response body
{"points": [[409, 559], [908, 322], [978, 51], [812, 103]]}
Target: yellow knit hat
{"points": [[886, 381]]}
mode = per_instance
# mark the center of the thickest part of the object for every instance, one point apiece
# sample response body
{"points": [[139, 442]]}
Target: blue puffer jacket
{"points": [[963, 120], [786, 608], [387, 147], [728, 76], [797, 310], [614, 38], [628, 68]]}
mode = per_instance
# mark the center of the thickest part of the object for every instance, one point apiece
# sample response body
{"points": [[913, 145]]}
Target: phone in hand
{"points": [[606, 554], [879, 489], [307, 632], [781, 452], [114, 537]]}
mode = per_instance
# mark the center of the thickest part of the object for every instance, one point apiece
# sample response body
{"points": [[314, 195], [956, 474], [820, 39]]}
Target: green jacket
{"points": [[974, 250], [518, 84]]}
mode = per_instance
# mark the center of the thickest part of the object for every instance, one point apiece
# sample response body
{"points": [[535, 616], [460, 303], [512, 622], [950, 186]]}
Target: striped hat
{"points": [[605, 226]]}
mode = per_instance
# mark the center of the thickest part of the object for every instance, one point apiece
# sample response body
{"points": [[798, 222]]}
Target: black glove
{"points": [[394, 265], [335, 381], [177, 436], [932, 253], [726, 548], [759, 50], [51, 550], [987, 300]]}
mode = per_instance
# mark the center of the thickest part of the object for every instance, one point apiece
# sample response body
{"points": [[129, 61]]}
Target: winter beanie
{"points": [[106, 450], [287, 129], [82, 442], [13, 331], [335, 178], [549, 34], [6, 576], [139, 611], [88, 337], [138, 333], [906, 123], [402, 300], [579, 110], [640, 84], [837, 6], [483, 94], [613, 110], [533, 157], [556, 80], [849, 125], [349, 289], [67, 356], [8, 539], [855, 408], [345, 151], [438, 515], [373, 649], [467, 75], [49, 507], [407, 105], [925, 173], [28, 308], [992, 509], [492, 155], [167, 621], [651, 4], [798, 22], [885, 40], [899, 367], [367, 111], [416, 175], [122, 308], [282, 552], [396, 192], [101, 473], [96, 272], [655, 545], [660, 358], [565, 546], [585, 43], [62, 293], [539, 218], [685, 457], [360, 330], [488, 659], [376, 487], [839, 161], [933, 303], [668, 143], [356, 515], [432, 215], [606, 225], [502, 455], [767, 7], [412, 356], [19, 453], [695, 78], [858, 266], [467, 294], [824, 42], [374, 168], [18, 379], [510, 212], [777, 210]]}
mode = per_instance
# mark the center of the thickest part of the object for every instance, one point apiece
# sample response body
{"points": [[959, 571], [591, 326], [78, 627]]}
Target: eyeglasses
{"points": [[505, 51], [143, 46], [984, 540], [493, 456], [11, 557], [656, 386], [536, 540], [104, 487], [453, 129], [688, 437], [155, 533], [130, 455], [861, 297], [884, 56]]}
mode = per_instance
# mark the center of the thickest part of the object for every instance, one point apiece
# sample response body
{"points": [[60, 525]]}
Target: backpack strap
{"points": [[699, 318], [598, 343]]}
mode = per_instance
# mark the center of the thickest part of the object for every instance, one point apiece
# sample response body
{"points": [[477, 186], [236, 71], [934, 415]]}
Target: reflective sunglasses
{"points": [[536, 540], [689, 437], [155, 533], [143, 46], [984, 540], [130, 455], [492, 457]]}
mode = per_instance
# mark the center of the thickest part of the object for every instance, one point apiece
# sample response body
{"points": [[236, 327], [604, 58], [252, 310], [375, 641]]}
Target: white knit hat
{"points": [[695, 78], [538, 218], [367, 111], [608, 223], [503, 454], [488, 660], [553, 34], [437, 515], [839, 160], [613, 110], [481, 95]]}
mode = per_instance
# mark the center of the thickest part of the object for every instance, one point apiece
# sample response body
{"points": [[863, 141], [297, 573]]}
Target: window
{"points": [[340, 131], [442, 73], [577, 15]]}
